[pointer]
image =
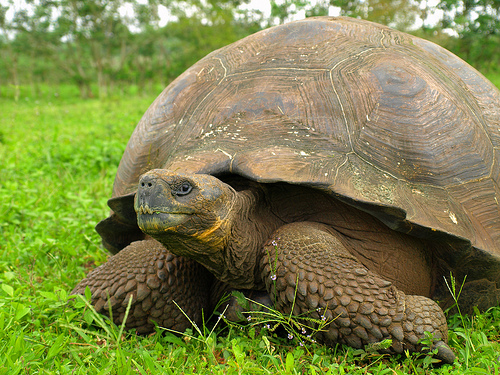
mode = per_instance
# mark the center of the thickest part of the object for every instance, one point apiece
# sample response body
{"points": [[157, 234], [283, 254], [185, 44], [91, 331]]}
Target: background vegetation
{"points": [[59, 154], [104, 45]]}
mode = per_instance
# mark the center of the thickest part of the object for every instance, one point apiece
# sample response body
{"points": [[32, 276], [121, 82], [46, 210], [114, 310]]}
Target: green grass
{"points": [[494, 78], [57, 163]]}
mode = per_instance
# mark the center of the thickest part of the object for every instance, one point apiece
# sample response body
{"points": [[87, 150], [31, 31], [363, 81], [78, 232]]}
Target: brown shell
{"points": [[388, 122]]}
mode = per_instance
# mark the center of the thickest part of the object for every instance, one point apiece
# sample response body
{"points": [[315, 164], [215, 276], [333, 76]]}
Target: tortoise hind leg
{"points": [[154, 278], [306, 266]]}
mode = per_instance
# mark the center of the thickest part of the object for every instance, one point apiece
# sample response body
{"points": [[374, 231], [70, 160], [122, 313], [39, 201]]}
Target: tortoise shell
{"points": [[387, 122]]}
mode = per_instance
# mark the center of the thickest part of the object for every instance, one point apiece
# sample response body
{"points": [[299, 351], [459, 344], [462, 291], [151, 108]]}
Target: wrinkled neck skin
{"points": [[232, 251]]}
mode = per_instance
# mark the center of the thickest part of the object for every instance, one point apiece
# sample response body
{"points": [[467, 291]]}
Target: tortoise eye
{"points": [[184, 189]]}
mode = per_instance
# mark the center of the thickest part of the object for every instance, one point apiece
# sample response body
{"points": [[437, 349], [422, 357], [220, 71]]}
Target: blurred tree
{"points": [[89, 41], [282, 11], [399, 14], [115, 43], [8, 62], [201, 27], [477, 24], [24, 33], [86, 39], [321, 8], [95, 29]]}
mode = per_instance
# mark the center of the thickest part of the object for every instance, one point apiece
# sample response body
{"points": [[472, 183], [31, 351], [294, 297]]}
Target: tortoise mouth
{"points": [[146, 210], [154, 220]]}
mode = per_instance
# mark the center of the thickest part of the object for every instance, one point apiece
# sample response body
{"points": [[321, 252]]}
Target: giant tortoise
{"points": [[345, 168]]}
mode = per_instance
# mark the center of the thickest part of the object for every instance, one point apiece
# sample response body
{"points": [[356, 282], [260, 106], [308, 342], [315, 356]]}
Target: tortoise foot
{"points": [[424, 315], [154, 278], [305, 267], [444, 352]]}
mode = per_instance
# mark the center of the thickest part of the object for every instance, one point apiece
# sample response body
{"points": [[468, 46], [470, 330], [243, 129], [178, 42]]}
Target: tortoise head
{"points": [[191, 214]]}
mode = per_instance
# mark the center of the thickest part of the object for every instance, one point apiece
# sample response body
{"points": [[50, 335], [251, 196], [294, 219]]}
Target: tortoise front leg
{"points": [[154, 278], [305, 265]]}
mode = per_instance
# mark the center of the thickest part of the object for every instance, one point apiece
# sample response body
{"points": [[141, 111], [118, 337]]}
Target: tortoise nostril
{"points": [[147, 182]]}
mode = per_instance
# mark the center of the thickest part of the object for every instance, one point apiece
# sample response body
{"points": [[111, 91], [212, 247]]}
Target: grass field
{"points": [[58, 158]]}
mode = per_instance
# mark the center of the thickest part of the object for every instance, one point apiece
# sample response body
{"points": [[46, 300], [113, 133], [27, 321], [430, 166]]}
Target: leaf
{"points": [[269, 347], [239, 355], [139, 367], [148, 361], [381, 345], [9, 275], [169, 337], [251, 333], [56, 347], [241, 299], [289, 363], [88, 293], [63, 295], [8, 289], [49, 295], [88, 316], [18, 343], [21, 310]]}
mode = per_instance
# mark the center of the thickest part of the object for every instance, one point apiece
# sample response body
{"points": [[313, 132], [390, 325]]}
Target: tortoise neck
{"points": [[252, 224], [231, 251]]}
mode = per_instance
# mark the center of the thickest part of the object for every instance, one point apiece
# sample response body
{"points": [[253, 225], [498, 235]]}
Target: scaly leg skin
{"points": [[305, 266], [154, 278]]}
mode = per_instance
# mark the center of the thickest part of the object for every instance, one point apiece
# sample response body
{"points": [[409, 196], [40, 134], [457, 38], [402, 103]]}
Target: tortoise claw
{"points": [[444, 352]]}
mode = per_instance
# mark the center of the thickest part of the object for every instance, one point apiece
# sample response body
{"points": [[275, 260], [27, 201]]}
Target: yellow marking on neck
{"points": [[204, 235]]}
